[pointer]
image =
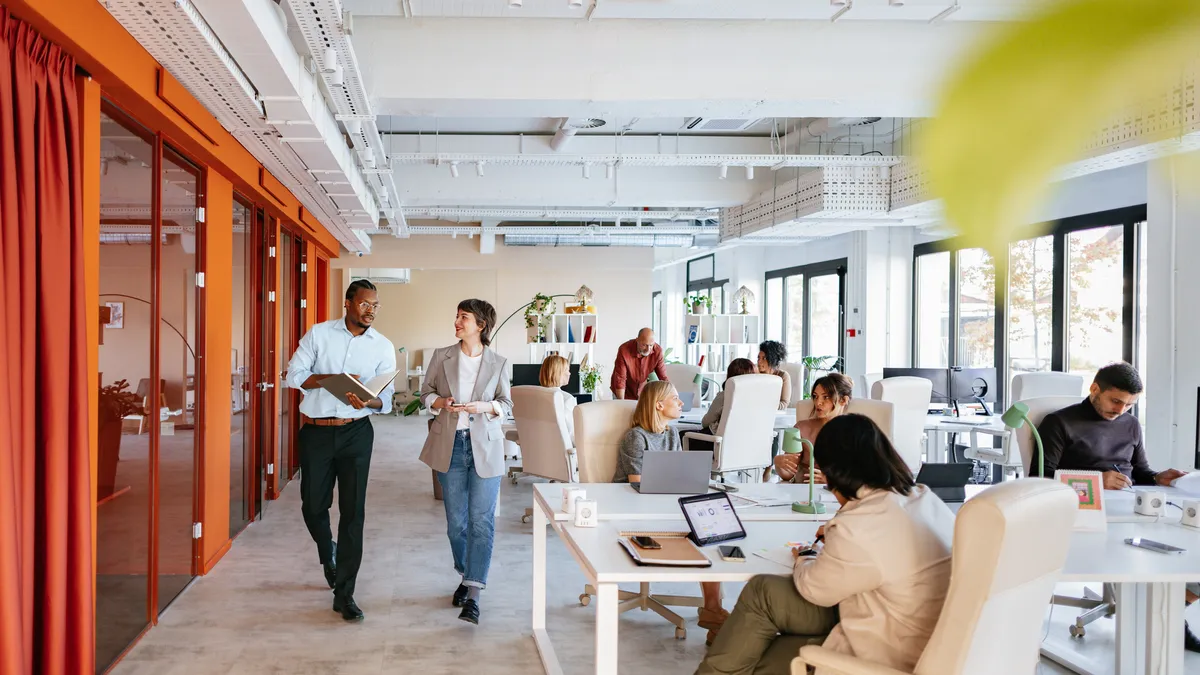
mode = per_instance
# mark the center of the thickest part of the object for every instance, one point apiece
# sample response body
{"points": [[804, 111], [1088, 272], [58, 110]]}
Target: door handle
{"points": [[263, 386]]}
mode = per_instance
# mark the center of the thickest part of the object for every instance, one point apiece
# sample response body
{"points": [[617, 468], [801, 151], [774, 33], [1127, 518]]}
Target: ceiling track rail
{"points": [[773, 162], [629, 217]]}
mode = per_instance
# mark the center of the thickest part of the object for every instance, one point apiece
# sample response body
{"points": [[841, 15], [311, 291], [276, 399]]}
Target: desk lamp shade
{"points": [[698, 379], [1017, 415], [743, 299], [584, 296], [653, 377], [814, 506]]}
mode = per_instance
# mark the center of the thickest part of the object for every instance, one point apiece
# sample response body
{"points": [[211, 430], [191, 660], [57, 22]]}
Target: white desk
{"points": [[619, 502], [783, 419], [935, 425]]}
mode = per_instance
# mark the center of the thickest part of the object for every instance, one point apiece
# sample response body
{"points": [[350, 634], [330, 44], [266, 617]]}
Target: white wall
{"points": [[445, 271]]}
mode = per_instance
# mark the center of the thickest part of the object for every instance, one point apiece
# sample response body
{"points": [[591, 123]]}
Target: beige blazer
{"points": [[886, 565], [487, 439]]}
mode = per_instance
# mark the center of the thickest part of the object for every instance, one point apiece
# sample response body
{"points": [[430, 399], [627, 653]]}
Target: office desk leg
{"points": [[1164, 628], [1129, 616], [541, 638], [606, 629]]}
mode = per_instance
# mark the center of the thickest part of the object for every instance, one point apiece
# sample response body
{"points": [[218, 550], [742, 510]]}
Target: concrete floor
{"points": [[266, 609]]}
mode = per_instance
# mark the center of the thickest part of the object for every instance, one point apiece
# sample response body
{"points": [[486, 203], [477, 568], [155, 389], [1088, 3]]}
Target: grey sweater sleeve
{"points": [[712, 418], [629, 455]]}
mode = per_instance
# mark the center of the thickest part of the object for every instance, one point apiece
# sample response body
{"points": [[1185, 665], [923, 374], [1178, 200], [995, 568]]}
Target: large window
{"points": [[1072, 300], [806, 309], [701, 280]]}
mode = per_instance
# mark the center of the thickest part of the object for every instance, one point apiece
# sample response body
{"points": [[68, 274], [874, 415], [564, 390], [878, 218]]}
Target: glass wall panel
{"points": [[824, 317], [976, 309], [933, 310], [242, 301], [774, 308], [1095, 284], [794, 313], [1030, 305]]}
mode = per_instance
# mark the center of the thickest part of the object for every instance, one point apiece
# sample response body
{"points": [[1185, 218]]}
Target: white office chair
{"points": [[796, 372], [599, 427], [882, 413], [1095, 605], [1010, 544], [542, 424], [683, 376], [1037, 385], [747, 427], [910, 397]]}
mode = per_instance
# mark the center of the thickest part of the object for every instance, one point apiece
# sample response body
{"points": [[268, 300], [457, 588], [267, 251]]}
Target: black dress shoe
{"points": [[470, 611], [1190, 641], [460, 594], [331, 566], [347, 609]]}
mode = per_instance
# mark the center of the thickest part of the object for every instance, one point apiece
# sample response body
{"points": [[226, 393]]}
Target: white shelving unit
{"points": [[720, 338], [565, 334]]}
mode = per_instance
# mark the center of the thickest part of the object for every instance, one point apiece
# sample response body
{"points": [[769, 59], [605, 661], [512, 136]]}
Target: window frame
{"points": [[836, 266], [710, 284], [1128, 217]]}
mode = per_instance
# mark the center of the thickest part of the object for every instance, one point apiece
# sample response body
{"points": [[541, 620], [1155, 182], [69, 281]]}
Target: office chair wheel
{"points": [[585, 599], [680, 633], [1076, 631], [512, 478]]}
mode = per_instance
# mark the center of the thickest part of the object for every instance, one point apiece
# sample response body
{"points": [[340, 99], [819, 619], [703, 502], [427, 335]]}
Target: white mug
{"points": [[571, 495], [586, 514], [1191, 513], [1149, 502]]}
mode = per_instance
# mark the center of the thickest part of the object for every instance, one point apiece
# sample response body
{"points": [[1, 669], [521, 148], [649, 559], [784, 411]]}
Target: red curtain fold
{"points": [[46, 603]]}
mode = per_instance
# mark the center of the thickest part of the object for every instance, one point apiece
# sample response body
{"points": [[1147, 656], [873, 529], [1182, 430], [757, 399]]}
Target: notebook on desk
{"points": [[675, 552]]}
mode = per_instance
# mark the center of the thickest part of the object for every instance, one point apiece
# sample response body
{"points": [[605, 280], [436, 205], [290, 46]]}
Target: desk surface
{"points": [[619, 501], [1104, 556], [783, 419]]}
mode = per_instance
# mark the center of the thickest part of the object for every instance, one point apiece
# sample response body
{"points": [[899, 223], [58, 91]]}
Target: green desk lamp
{"points": [[653, 377], [1017, 415], [793, 444], [698, 379]]}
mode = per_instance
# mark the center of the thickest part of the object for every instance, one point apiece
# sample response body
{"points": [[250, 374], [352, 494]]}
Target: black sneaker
{"points": [[1190, 641], [347, 608], [460, 595], [470, 612]]}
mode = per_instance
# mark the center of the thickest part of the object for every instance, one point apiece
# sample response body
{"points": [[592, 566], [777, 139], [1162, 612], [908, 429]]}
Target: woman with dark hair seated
{"points": [[770, 355], [875, 587]]}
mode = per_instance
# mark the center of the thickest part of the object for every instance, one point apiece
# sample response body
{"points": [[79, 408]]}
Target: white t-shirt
{"points": [[468, 373]]}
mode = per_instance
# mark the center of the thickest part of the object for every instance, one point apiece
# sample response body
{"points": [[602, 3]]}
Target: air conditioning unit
{"points": [[382, 275], [718, 124]]}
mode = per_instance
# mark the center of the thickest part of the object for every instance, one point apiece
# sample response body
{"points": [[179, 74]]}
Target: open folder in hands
{"points": [[343, 384]]}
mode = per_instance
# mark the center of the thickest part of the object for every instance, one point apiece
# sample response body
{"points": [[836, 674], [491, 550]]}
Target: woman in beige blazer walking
{"points": [[468, 391]]}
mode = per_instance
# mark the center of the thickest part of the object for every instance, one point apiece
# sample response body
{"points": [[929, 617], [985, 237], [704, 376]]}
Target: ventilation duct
{"points": [[382, 275], [634, 240]]}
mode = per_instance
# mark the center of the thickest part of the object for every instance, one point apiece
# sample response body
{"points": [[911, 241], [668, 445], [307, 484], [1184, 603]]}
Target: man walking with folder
{"points": [[335, 443]]}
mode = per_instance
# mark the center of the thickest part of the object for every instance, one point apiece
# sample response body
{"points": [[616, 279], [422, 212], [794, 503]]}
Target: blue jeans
{"points": [[470, 503]]}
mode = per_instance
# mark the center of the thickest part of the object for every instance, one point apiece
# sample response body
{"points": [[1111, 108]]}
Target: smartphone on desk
{"points": [[732, 553], [1151, 545], [647, 543]]}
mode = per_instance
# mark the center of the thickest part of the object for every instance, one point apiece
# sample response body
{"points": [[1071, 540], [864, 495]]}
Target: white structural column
{"points": [[879, 300], [1172, 368]]}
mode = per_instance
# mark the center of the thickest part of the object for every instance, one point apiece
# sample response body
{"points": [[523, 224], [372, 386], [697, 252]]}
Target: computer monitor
{"points": [[973, 384], [528, 374], [940, 377]]}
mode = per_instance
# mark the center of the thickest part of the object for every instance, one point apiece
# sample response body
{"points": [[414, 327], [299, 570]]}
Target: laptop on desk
{"points": [[688, 398], [947, 481], [675, 473]]}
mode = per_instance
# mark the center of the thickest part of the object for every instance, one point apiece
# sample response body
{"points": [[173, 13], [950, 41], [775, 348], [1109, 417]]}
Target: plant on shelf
{"points": [[591, 376], [818, 364], [537, 312], [697, 303]]}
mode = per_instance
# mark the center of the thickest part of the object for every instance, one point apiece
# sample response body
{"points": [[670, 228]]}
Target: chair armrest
{"points": [[837, 663], [715, 440]]}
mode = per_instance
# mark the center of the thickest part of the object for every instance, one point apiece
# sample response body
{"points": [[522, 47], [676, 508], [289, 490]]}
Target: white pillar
{"points": [[1172, 370]]}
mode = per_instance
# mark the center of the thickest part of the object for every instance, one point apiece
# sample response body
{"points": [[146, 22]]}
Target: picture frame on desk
{"points": [[1089, 487]]}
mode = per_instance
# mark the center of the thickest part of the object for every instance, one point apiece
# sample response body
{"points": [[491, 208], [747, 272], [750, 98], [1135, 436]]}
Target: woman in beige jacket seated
{"points": [[875, 587], [830, 396]]}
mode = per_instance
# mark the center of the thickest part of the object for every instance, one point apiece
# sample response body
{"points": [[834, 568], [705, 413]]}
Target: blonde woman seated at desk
{"points": [[830, 396], [555, 373], [657, 405], [712, 418]]}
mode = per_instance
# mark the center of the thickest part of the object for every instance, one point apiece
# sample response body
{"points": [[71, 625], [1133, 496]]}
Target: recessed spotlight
{"points": [[454, 169]]}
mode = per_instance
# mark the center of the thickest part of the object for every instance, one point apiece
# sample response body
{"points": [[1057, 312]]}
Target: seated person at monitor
{"points": [[555, 373], [712, 418], [830, 396], [1096, 434], [657, 405], [875, 587]]}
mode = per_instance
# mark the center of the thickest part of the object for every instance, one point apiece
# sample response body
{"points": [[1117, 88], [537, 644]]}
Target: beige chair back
{"points": [[909, 397], [682, 375], [880, 412], [796, 372], [542, 427], [747, 426], [1010, 545], [1036, 385], [1038, 409], [599, 427]]}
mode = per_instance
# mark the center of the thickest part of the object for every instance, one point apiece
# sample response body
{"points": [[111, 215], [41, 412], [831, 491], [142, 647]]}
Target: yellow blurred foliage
{"points": [[1027, 102]]}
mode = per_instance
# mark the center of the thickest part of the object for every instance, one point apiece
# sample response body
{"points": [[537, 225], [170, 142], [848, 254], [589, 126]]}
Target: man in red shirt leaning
{"points": [[636, 359]]}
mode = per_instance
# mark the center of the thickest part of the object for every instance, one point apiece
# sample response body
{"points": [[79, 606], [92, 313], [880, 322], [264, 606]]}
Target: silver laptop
{"points": [[675, 473]]}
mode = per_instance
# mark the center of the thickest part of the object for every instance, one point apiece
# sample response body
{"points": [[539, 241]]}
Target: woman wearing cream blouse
{"points": [[770, 355], [830, 396], [555, 373]]}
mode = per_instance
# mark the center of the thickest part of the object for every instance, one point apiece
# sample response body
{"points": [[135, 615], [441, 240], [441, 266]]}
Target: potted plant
{"points": [[114, 405], [414, 406], [536, 313], [697, 303], [591, 377], [817, 364]]}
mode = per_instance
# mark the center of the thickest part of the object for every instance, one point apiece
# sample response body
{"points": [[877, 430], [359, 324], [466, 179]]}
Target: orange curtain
{"points": [[46, 607]]}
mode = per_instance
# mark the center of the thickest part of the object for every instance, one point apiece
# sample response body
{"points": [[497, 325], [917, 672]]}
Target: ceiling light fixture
{"points": [[749, 172], [338, 77], [575, 3], [328, 64], [454, 169], [514, 4], [608, 170], [587, 169], [724, 171], [479, 168], [896, 3]]}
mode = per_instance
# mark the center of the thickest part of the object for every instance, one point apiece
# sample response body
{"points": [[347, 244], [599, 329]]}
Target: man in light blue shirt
{"points": [[335, 442]]}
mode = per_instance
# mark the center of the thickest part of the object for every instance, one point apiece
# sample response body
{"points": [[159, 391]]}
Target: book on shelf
{"points": [[693, 334], [589, 334], [700, 365], [570, 333]]}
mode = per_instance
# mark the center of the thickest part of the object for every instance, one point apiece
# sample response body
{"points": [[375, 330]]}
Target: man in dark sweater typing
{"points": [[1096, 435]]}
